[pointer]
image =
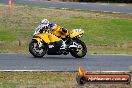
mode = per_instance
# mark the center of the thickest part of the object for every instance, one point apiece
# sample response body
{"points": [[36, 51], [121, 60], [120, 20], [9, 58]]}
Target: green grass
{"points": [[36, 79], [18, 23], [47, 80], [104, 31]]}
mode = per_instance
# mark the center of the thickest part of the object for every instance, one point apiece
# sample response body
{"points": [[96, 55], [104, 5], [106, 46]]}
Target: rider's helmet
{"points": [[45, 23]]}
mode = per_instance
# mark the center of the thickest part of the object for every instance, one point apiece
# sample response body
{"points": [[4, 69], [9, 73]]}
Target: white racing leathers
{"points": [[37, 30]]}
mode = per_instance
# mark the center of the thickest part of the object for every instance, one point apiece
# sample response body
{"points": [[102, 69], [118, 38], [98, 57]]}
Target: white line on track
{"points": [[54, 71], [113, 54]]}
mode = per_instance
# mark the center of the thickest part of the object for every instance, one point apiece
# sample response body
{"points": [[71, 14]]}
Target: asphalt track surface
{"points": [[81, 6], [65, 63]]}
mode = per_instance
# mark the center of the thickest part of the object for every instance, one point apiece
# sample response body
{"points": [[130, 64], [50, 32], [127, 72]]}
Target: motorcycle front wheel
{"points": [[37, 51], [79, 52]]}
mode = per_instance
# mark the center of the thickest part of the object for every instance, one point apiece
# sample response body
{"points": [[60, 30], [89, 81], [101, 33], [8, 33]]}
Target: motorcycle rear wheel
{"points": [[74, 51], [35, 50]]}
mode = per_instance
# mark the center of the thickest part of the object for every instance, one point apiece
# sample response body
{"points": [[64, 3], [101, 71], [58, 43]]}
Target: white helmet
{"points": [[45, 23]]}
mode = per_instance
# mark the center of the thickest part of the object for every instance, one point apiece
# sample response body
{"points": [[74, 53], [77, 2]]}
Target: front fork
{"points": [[40, 44]]}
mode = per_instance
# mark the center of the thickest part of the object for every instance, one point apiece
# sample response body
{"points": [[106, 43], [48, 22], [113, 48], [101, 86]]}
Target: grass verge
{"points": [[104, 32], [47, 80]]}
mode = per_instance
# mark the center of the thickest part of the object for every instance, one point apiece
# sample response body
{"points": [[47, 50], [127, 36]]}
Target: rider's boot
{"points": [[63, 47]]}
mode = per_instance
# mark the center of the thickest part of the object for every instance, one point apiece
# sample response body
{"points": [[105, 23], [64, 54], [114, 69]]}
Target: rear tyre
{"points": [[79, 53], [37, 51]]}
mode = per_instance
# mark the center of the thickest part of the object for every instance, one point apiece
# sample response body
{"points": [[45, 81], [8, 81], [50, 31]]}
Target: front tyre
{"points": [[79, 52], [37, 51]]}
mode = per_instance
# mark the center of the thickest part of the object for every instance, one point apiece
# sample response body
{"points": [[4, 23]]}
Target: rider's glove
{"points": [[64, 30]]}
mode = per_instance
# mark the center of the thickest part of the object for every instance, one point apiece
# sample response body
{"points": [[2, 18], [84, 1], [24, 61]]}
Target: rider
{"points": [[56, 30]]}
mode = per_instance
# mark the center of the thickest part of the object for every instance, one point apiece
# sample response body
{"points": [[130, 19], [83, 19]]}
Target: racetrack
{"points": [[65, 63], [81, 6]]}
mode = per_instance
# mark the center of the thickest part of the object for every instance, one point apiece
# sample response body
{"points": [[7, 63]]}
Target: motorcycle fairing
{"points": [[38, 40], [58, 32], [47, 37], [76, 32], [55, 49]]}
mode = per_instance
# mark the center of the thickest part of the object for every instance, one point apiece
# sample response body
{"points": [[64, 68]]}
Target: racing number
{"points": [[78, 30]]}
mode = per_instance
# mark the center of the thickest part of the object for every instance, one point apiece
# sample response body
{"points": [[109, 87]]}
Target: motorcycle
{"points": [[40, 45]]}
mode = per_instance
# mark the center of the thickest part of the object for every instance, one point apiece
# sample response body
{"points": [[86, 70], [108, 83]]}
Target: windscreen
{"points": [[37, 30]]}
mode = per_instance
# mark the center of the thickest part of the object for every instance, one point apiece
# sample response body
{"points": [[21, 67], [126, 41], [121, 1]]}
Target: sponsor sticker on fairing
{"points": [[51, 46]]}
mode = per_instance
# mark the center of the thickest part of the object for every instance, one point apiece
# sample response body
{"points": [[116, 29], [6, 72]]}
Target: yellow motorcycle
{"points": [[48, 43]]}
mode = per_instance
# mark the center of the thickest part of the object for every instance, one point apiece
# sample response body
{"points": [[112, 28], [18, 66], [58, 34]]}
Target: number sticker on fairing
{"points": [[78, 30]]}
